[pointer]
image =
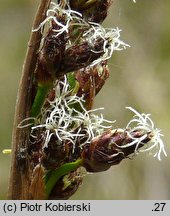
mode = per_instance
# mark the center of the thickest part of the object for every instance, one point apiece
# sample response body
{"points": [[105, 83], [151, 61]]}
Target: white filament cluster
{"points": [[142, 122], [110, 37], [56, 10], [60, 118]]}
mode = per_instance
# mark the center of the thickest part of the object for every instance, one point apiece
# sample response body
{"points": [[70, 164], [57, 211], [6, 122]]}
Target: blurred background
{"points": [[139, 77]]}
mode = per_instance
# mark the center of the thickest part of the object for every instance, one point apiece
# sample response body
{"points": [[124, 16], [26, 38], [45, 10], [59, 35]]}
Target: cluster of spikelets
{"points": [[69, 124], [65, 131], [92, 31]]}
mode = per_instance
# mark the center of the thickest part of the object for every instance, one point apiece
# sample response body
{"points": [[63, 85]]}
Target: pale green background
{"points": [[139, 77]]}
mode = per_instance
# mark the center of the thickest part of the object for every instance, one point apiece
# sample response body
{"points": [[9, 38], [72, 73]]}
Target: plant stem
{"points": [[55, 175], [19, 181], [41, 94]]}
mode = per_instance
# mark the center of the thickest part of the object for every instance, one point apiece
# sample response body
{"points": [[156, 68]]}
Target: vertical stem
{"points": [[41, 94], [19, 181]]}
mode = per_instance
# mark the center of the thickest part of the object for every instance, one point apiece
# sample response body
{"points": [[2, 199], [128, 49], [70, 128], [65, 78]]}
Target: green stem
{"points": [[54, 176], [40, 97]]}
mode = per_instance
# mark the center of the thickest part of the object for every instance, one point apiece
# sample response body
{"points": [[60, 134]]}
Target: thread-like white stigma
{"points": [[67, 123], [143, 122], [58, 10], [110, 37]]}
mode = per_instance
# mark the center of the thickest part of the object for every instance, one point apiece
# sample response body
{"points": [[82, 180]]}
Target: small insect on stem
{"points": [[22, 159]]}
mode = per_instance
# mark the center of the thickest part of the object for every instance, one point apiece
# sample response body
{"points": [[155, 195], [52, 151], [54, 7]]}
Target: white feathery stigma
{"points": [[111, 38], [143, 122], [61, 119], [56, 10]]}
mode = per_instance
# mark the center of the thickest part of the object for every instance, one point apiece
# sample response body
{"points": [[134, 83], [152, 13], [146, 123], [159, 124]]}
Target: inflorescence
{"points": [[66, 122], [65, 132], [60, 118], [93, 31], [66, 116]]}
